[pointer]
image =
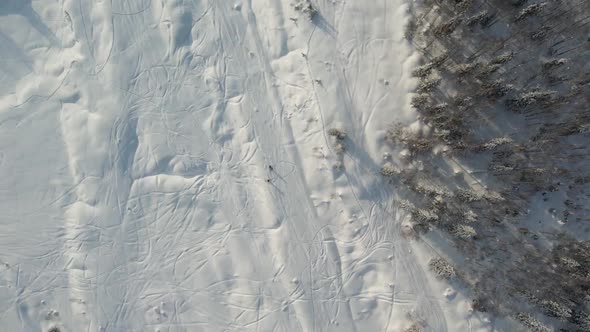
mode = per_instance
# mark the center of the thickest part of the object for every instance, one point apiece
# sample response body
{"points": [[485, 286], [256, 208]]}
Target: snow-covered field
{"points": [[166, 166]]}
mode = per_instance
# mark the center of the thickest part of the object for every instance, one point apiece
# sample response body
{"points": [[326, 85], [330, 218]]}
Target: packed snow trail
{"points": [[136, 143]]}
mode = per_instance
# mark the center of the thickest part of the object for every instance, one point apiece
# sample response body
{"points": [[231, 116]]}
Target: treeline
{"points": [[504, 90]]}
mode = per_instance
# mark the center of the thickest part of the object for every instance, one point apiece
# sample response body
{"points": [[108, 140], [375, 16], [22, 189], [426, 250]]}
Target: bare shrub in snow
{"points": [[306, 8], [531, 322], [417, 319], [337, 133], [441, 268]]}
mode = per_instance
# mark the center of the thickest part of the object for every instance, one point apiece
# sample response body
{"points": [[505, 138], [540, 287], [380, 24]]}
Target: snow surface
{"points": [[135, 143]]}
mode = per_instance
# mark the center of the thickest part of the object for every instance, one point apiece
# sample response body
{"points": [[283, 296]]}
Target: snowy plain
{"points": [[166, 167]]}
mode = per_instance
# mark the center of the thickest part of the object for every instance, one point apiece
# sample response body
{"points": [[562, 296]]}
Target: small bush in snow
{"points": [[469, 216], [463, 102], [428, 85], [499, 169], [555, 309], [431, 190], [306, 7], [441, 268], [418, 144], [422, 71], [439, 60], [502, 59], [531, 322], [448, 27], [496, 89], [389, 170], [419, 101], [404, 204], [464, 231], [410, 28], [414, 328], [337, 133], [582, 320], [480, 304], [495, 143], [529, 98], [493, 197], [464, 5], [583, 128], [487, 70], [466, 68], [411, 139], [531, 10], [483, 19], [439, 108], [540, 34], [548, 65], [468, 195], [424, 216]]}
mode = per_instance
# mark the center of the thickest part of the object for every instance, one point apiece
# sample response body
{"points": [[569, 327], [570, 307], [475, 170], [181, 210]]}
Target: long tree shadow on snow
{"points": [[320, 21], [16, 63], [25, 9]]}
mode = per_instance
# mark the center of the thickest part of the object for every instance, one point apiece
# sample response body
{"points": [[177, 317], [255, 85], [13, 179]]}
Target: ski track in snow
{"points": [[136, 139]]}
